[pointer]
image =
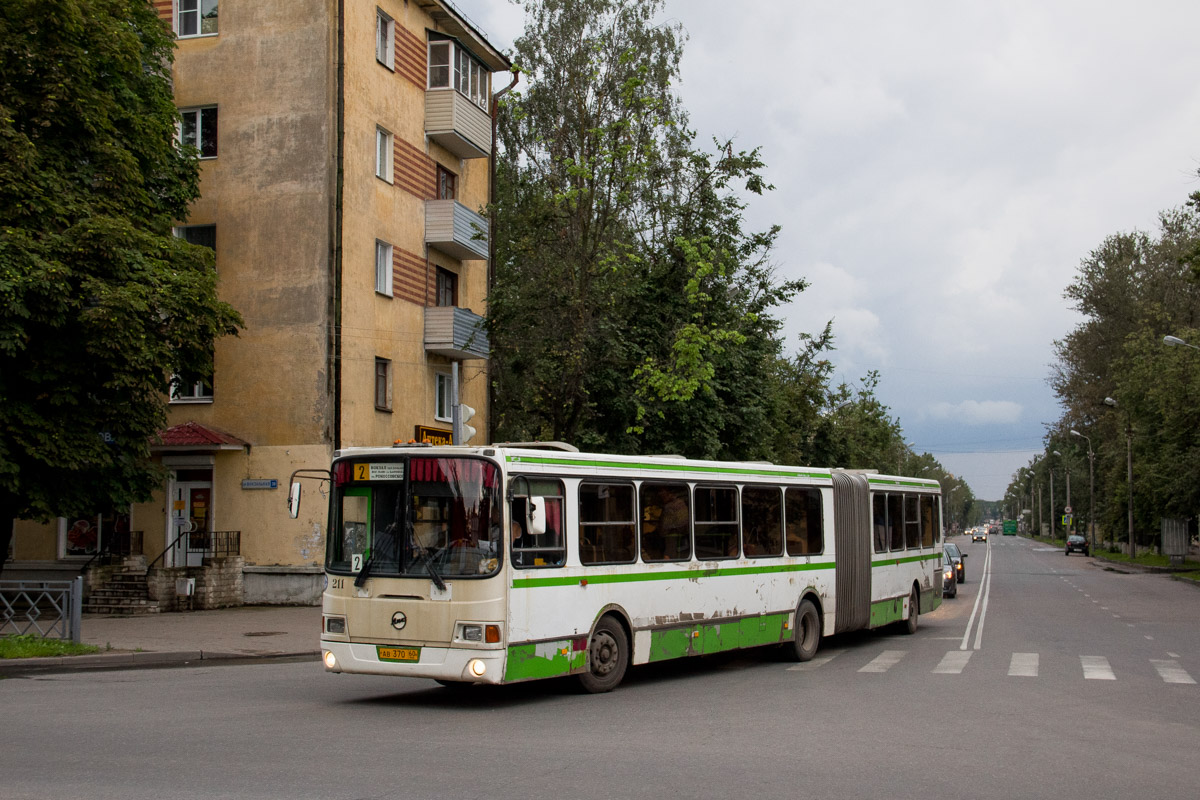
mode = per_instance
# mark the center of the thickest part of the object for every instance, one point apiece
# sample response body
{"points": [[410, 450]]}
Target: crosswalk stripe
{"points": [[884, 661], [953, 662], [1023, 665], [1171, 672], [1096, 668], [824, 658]]}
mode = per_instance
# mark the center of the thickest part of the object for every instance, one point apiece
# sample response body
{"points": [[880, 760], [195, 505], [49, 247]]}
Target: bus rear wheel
{"points": [[914, 611], [808, 632], [607, 658]]}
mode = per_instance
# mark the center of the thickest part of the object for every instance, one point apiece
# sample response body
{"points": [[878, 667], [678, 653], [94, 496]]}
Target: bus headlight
{"points": [[472, 633], [477, 667], [330, 660]]}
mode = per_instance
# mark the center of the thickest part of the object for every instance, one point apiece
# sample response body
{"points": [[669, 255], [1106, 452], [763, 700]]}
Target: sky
{"points": [[941, 168]]}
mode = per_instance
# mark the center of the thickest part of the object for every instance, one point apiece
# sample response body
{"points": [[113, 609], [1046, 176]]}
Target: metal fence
{"points": [[50, 609]]}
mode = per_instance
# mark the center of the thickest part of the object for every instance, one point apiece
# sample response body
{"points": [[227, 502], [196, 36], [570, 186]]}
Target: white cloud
{"points": [[977, 412]]}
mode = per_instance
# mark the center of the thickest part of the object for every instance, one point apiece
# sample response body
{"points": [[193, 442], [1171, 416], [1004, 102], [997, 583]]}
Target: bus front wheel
{"points": [[914, 610], [608, 656], [808, 632]]}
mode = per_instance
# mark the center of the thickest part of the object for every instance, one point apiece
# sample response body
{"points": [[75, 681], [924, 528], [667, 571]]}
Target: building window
{"points": [[188, 389], [383, 154], [385, 39], [203, 235], [383, 268], [452, 67], [447, 183], [197, 18], [383, 384], [198, 128], [443, 398], [447, 288]]}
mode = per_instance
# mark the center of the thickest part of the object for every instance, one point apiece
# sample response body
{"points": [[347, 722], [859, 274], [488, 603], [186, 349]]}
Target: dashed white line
{"points": [[1023, 665], [884, 661], [1171, 672], [818, 661], [1096, 668], [953, 662]]}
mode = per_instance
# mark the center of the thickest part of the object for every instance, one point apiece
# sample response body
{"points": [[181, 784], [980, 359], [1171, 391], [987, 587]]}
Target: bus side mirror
{"points": [[294, 500], [536, 523]]}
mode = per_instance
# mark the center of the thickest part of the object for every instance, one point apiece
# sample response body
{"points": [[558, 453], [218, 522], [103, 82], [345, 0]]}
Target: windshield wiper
{"points": [[365, 572], [432, 570]]}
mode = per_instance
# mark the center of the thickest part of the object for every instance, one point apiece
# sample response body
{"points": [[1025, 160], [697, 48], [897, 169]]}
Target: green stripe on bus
{"points": [[680, 467], [673, 575], [886, 611], [889, 562], [715, 637], [920, 484]]}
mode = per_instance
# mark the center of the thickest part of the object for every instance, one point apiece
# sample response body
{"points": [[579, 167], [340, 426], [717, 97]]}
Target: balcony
{"points": [[457, 124], [455, 333], [452, 227]]}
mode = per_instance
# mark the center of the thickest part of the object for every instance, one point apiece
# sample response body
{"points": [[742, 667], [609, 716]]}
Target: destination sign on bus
{"points": [[379, 471]]}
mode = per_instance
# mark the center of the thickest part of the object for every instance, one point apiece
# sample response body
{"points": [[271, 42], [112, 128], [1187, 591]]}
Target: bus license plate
{"points": [[409, 654]]}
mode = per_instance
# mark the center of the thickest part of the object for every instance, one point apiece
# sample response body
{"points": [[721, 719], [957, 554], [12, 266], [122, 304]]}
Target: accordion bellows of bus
{"points": [[513, 562]]}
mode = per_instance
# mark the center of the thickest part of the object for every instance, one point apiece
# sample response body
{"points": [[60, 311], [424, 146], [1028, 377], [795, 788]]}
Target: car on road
{"points": [[1077, 544], [956, 557], [979, 535], [949, 576]]}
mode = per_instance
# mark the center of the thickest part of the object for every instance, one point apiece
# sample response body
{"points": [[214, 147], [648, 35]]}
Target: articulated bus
{"points": [[514, 562]]}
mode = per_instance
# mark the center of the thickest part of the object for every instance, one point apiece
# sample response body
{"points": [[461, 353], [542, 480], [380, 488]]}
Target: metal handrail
{"points": [[107, 549], [168, 549], [223, 543]]}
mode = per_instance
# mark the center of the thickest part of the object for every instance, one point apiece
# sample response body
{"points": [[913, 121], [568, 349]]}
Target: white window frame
{"points": [[385, 39], [198, 392], [199, 143], [383, 154], [194, 12], [387, 388], [464, 73], [383, 267], [443, 397]]}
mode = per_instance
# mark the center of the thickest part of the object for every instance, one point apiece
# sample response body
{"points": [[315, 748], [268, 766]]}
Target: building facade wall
{"points": [[271, 191]]}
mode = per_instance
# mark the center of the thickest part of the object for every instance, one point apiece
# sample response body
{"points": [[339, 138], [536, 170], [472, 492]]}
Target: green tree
{"points": [[101, 304], [630, 308]]}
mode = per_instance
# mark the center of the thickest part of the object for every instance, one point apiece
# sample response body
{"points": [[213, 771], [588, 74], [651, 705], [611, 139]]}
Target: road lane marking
{"points": [[953, 662], [885, 661], [1173, 655], [1023, 665], [817, 661], [980, 597], [1171, 672], [1096, 668]]}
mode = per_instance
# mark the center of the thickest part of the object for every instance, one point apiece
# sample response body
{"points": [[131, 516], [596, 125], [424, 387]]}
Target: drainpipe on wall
{"points": [[491, 276], [335, 367]]}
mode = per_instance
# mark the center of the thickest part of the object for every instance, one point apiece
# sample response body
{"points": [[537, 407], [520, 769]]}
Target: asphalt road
{"points": [[1047, 677]]}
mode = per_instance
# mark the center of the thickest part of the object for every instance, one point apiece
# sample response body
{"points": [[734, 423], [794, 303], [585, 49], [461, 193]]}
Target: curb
{"points": [[143, 660]]}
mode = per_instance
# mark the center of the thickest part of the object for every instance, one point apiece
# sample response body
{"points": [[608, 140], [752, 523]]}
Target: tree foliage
{"points": [[1132, 290], [101, 304]]}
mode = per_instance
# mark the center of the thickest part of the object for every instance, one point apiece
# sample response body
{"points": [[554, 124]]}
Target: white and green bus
{"points": [[509, 563]]}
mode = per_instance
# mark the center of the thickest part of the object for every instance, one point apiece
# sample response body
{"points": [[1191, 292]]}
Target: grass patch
{"points": [[29, 646], [1191, 576], [1145, 558]]}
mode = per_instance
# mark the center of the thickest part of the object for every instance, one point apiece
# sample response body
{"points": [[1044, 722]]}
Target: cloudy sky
{"points": [[941, 168]]}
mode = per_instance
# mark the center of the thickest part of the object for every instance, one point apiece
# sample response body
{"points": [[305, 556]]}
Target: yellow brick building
{"points": [[345, 173]]}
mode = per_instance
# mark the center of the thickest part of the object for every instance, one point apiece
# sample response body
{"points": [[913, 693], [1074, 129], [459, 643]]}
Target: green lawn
{"points": [[30, 646]]}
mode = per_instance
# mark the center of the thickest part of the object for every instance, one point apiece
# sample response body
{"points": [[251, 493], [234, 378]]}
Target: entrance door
{"points": [[191, 512]]}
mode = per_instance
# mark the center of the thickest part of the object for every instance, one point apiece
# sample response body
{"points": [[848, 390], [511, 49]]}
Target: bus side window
{"points": [[912, 521], [762, 521], [895, 517], [928, 536], [666, 522], [879, 521], [529, 547], [606, 523], [716, 522], [805, 523]]}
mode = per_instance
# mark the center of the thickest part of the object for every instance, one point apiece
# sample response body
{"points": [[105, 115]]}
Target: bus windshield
{"points": [[415, 517]]}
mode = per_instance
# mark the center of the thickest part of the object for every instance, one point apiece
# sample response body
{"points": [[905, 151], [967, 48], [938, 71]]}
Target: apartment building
{"points": [[345, 173]]}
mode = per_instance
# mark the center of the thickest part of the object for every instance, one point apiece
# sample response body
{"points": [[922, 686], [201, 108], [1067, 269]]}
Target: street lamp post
{"points": [[1091, 491], [1108, 401], [1052, 511]]}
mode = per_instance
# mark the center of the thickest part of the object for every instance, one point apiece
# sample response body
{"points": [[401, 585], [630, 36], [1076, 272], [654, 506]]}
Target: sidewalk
{"points": [[246, 634]]}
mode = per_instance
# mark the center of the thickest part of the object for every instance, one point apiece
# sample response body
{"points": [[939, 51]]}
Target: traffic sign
{"points": [[1067, 510]]}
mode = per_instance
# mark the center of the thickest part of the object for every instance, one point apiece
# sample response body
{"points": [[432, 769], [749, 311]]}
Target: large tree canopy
{"points": [[100, 303]]}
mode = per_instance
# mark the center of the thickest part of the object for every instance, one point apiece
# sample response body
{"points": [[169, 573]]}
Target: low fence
{"points": [[50, 609]]}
